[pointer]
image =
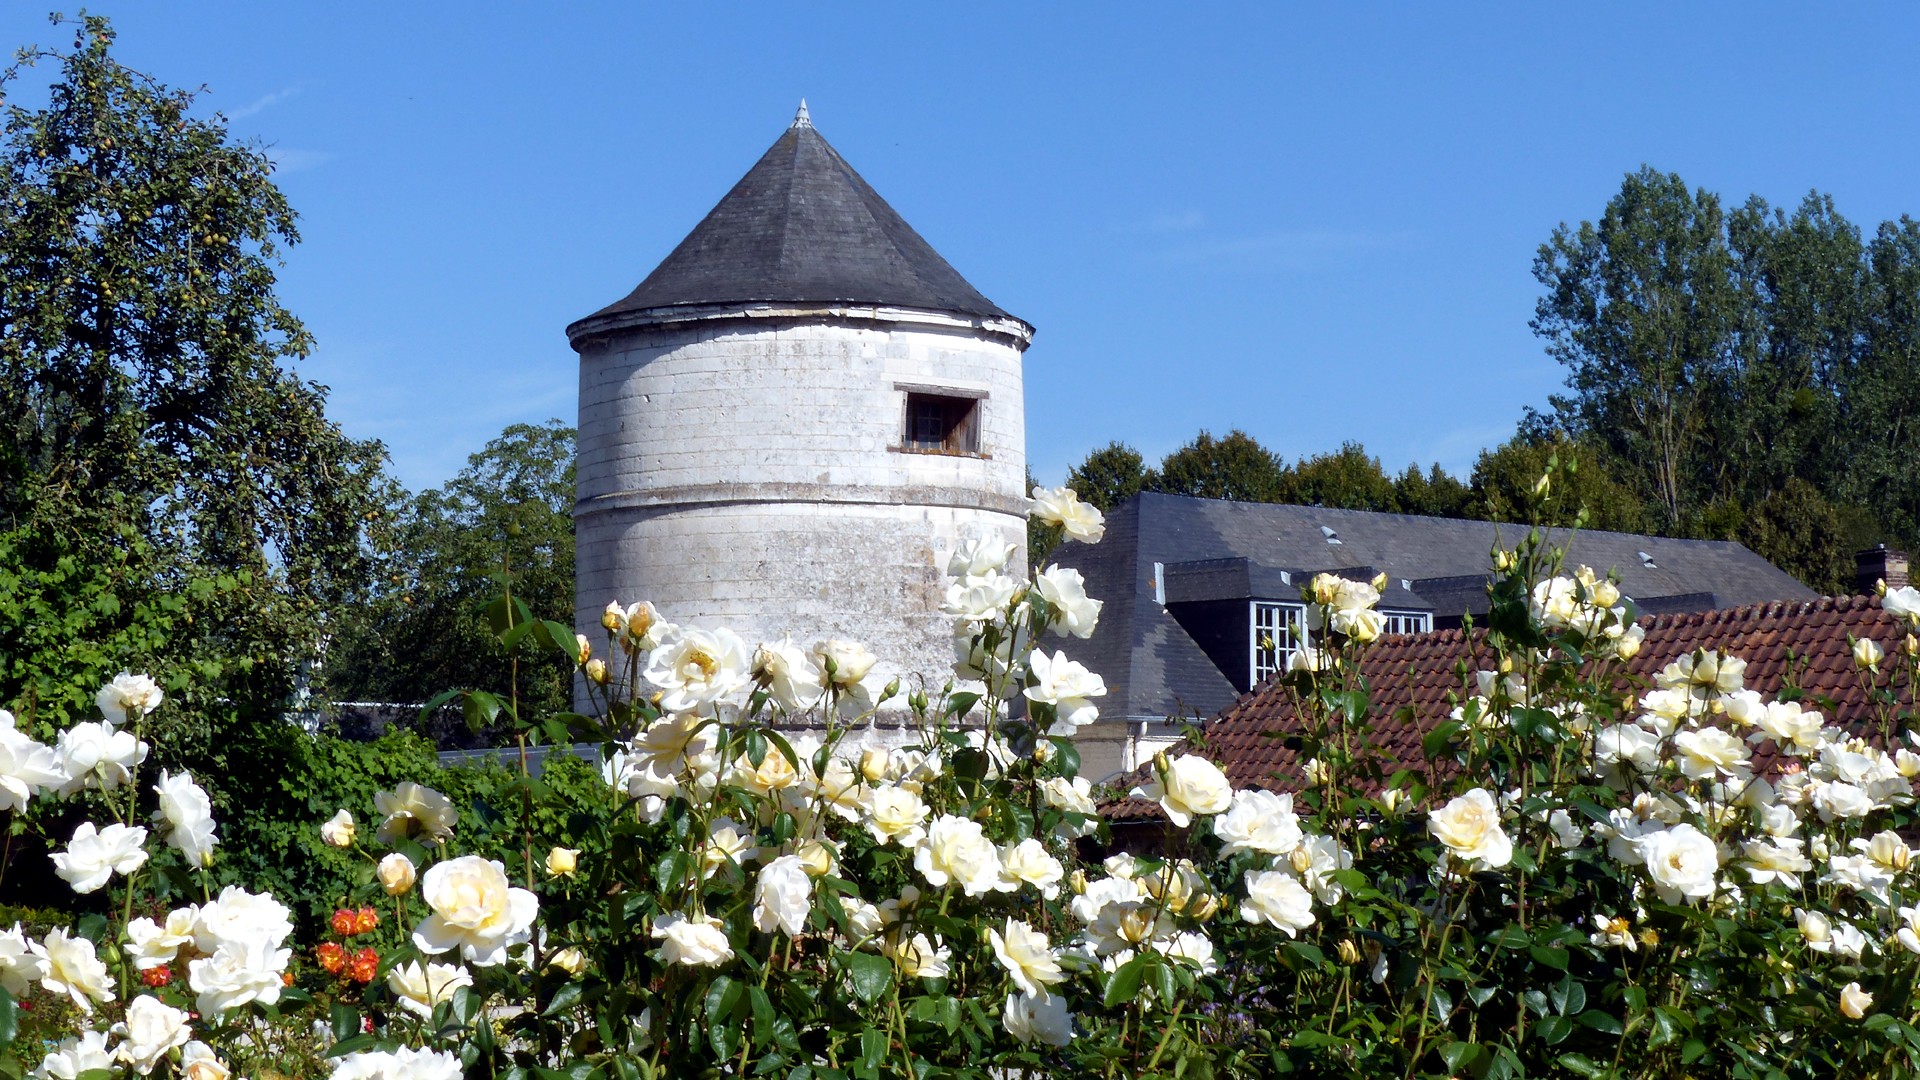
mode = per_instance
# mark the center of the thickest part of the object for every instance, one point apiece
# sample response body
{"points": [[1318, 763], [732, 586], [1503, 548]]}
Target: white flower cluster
{"points": [[1589, 605]]}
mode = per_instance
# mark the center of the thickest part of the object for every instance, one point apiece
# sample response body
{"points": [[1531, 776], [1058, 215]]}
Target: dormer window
{"points": [[941, 424], [1278, 631]]}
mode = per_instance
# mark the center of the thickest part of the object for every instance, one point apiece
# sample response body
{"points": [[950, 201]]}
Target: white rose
{"points": [[1903, 603], [894, 814], [420, 986], [154, 944], [977, 600], [1062, 506], [69, 966], [128, 695], [1682, 862], [199, 1062], [338, 830], [97, 755], [695, 668], [1277, 898], [978, 558], [19, 966], [1838, 799], [1854, 1002], [696, 942], [237, 973], [956, 850], [1867, 654], [152, 1028], [1066, 592], [396, 873], [410, 810], [1258, 820], [783, 896], [1067, 686], [1027, 956], [917, 957], [1186, 787], [843, 663], [189, 817], [27, 767], [1470, 828], [94, 855], [239, 916], [405, 1063], [74, 1056], [1028, 862], [1038, 1019], [789, 675], [562, 861], [474, 910], [1710, 752]]}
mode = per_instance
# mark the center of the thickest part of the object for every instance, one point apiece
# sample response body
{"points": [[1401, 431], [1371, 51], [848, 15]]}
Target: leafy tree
{"points": [[1587, 493], [1235, 467], [1348, 478], [1435, 493], [1879, 410], [505, 520], [1109, 476], [147, 423]]}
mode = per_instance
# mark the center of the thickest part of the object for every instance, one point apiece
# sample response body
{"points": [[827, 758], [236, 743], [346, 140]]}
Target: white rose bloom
{"points": [[895, 815], [1062, 506], [1066, 592], [97, 755], [1682, 861], [1470, 828], [240, 917], [1622, 746], [977, 600], [1196, 949], [128, 696], [1903, 603], [1277, 898], [1308, 659], [475, 910], [199, 1062], [956, 851], [1316, 860], [1027, 862], [152, 1028], [1887, 849], [74, 1056], [1360, 624], [410, 810], [339, 830], [1794, 729], [790, 676], [978, 558], [69, 966], [1908, 935], [783, 896], [1861, 874], [726, 845], [235, 974], [19, 965], [774, 773], [1187, 787], [405, 1063], [1027, 956], [695, 942], [1838, 799], [1259, 820], [420, 986], [917, 957], [189, 817], [1854, 1002], [395, 873], [1776, 858], [1867, 654], [1848, 942], [27, 767], [851, 662], [1630, 641], [154, 944], [695, 668], [94, 855], [1068, 687], [1075, 796], [1710, 752], [1042, 1018]]}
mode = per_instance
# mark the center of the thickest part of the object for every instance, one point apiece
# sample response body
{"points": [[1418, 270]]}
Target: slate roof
{"points": [[803, 227], [1153, 669], [1811, 640]]}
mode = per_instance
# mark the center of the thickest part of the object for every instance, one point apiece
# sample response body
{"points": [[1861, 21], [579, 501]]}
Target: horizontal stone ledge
{"points": [[583, 334], [697, 495]]}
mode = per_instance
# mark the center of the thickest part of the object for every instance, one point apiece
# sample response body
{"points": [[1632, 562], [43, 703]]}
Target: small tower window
{"points": [[939, 424]]}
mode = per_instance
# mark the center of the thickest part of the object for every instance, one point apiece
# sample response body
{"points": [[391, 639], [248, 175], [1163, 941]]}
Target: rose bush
{"points": [[1578, 876]]}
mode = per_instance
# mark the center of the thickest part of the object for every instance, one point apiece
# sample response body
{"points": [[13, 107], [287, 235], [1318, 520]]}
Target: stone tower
{"points": [[790, 424]]}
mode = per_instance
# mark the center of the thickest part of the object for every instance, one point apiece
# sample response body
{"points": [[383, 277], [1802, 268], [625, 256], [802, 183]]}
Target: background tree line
{"points": [[1749, 375]]}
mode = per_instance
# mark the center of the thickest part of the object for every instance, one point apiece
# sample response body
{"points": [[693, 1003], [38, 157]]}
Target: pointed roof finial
{"points": [[800, 118]]}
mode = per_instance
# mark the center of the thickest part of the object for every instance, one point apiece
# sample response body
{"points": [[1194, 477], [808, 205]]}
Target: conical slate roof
{"points": [[802, 226]]}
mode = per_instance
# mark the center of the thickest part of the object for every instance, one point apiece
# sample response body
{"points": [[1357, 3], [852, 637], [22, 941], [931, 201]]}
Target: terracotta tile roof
{"points": [[1805, 643]]}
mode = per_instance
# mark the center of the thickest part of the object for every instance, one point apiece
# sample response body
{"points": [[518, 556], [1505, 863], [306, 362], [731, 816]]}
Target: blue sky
{"points": [[1316, 225]]}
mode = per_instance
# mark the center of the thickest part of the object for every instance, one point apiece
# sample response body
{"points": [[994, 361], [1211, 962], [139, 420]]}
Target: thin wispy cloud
{"points": [[288, 159], [263, 103], [1172, 221]]}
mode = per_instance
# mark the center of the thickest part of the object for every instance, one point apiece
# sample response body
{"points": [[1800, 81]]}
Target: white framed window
{"points": [[1276, 632], [1405, 622]]}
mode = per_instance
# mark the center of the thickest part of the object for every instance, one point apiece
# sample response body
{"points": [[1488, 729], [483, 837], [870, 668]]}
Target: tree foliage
{"points": [[505, 521]]}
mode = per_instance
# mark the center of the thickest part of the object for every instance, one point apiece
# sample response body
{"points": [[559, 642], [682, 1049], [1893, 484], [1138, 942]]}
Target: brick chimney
{"points": [[1879, 563]]}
